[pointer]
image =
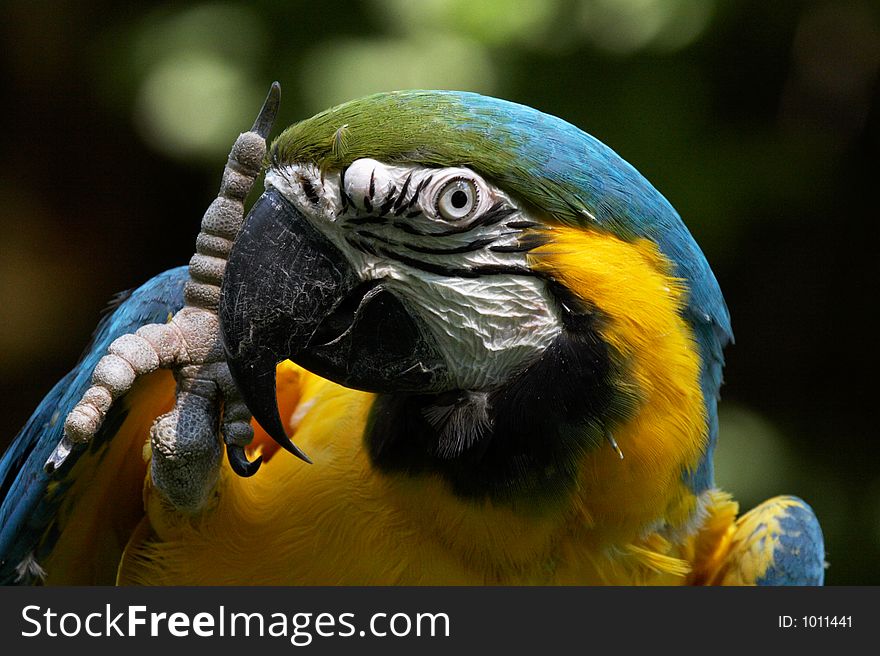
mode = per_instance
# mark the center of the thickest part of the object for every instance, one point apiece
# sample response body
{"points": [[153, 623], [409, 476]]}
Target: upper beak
{"points": [[288, 292]]}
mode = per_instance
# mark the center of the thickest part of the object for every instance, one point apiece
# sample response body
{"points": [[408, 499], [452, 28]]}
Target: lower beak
{"points": [[288, 292]]}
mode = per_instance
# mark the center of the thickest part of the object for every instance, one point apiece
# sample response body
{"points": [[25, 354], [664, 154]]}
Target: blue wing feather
{"points": [[799, 548], [27, 506], [779, 542]]}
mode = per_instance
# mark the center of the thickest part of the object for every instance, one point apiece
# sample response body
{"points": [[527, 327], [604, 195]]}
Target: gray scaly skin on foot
{"points": [[186, 452]]}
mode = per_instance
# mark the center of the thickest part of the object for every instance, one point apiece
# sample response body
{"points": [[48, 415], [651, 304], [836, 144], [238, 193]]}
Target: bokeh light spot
{"points": [[342, 70], [488, 21], [195, 106], [752, 459], [626, 26], [225, 29], [197, 85]]}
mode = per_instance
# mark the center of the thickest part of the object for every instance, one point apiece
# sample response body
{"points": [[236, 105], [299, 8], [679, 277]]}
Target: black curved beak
{"points": [[289, 292]]}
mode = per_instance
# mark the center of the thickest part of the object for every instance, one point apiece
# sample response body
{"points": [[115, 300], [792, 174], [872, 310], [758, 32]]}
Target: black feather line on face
{"points": [[388, 203], [470, 247], [309, 190], [392, 248], [521, 443], [522, 224], [525, 243], [398, 206], [346, 200], [498, 212], [450, 272], [412, 201], [475, 245], [361, 245], [366, 220]]}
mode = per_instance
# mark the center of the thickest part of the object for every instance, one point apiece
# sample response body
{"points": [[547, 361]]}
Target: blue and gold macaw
{"points": [[496, 343]]}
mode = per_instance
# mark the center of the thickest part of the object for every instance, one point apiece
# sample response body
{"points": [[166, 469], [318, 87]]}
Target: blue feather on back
{"points": [[25, 511]]}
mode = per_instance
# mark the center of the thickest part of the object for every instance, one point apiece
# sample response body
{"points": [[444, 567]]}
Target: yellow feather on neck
{"points": [[340, 521], [631, 287]]}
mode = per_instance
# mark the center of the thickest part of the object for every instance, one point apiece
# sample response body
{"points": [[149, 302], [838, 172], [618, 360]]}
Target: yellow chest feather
{"points": [[339, 521]]}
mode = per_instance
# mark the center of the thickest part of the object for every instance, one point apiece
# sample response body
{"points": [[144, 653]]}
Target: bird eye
{"points": [[457, 199]]}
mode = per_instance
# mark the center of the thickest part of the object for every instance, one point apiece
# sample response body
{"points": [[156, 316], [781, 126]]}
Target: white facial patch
{"points": [[485, 327], [447, 243]]}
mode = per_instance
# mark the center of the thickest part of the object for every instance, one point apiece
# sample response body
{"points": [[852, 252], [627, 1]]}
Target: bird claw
{"points": [[59, 455], [239, 462]]}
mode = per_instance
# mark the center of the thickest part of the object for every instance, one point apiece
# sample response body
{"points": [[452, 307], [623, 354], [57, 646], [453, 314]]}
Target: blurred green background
{"points": [[758, 120]]}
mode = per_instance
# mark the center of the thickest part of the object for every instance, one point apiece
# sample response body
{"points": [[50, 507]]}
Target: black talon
{"points": [[256, 383], [239, 462], [266, 117]]}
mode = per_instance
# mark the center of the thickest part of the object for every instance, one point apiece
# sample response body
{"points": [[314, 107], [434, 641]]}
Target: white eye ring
{"points": [[457, 199]]}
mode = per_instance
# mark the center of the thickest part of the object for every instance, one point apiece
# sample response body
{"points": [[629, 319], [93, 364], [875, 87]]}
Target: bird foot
{"points": [[186, 451]]}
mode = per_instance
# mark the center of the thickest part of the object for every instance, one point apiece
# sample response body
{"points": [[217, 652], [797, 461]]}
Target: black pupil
{"points": [[459, 199]]}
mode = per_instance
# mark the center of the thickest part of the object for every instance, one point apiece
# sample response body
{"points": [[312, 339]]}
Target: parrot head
{"points": [[513, 291]]}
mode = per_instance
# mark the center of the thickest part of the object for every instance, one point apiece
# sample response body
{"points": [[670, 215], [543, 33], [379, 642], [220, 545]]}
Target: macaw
{"points": [[496, 345]]}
